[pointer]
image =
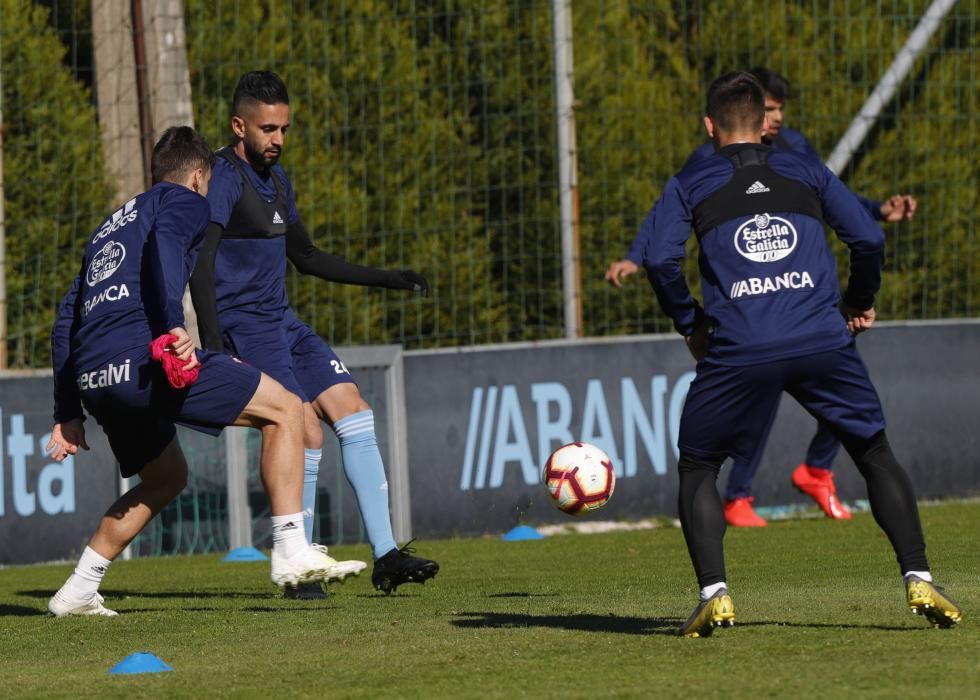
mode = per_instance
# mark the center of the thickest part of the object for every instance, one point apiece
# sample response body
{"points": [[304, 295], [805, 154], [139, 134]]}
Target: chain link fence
{"points": [[424, 137]]}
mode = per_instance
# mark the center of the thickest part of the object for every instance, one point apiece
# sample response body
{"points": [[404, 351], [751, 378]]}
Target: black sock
{"points": [[702, 517], [892, 499]]}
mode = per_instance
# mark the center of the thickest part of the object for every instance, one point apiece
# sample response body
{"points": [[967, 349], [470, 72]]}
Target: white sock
{"points": [[709, 591], [288, 536], [85, 581], [924, 575]]}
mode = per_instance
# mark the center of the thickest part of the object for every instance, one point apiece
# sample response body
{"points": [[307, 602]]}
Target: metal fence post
{"points": [[239, 513], [885, 89], [567, 169]]}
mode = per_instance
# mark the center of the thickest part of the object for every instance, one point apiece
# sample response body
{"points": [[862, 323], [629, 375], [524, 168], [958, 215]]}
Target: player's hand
{"points": [[857, 321], [898, 207], [66, 438], [183, 347], [619, 270], [413, 281], [697, 342]]}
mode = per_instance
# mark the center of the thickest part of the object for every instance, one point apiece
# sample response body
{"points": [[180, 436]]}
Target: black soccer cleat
{"points": [[399, 566], [305, 591]]}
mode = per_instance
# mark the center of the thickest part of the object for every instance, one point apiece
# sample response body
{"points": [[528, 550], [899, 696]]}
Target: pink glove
{"points": [[172, 365]]}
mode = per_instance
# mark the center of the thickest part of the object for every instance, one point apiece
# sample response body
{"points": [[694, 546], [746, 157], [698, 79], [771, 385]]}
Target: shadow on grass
{"points": [[521, 594], [126, 612], [19, 611], [298, 609], [377, 595], [827, 625], [631, 625], [121, 593], [584, 623]]}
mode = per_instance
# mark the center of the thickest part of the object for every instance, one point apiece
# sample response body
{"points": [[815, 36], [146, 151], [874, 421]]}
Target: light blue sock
{"points": [[311, 467], [366, 473]]}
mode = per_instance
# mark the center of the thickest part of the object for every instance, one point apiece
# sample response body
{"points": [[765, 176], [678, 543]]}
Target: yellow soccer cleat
{"points": [[716, 611], [932, 602]]}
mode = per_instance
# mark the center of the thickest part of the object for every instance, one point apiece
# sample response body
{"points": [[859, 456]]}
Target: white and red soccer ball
{"points": [[579, 477]]}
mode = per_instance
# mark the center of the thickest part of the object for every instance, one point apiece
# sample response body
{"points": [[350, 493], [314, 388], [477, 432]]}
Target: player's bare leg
{"points": [[278, 413], [161, 481], [351, 418]]}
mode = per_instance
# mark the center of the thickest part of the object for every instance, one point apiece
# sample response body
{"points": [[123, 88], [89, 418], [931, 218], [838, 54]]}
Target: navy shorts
{"points": [[315, 365], [137, 408], [289, 352], [728, 409]]}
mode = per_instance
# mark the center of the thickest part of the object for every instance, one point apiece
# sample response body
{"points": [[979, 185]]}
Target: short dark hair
{"points": [[773, 83], [259, 86], [736, 102], [180, 150]]}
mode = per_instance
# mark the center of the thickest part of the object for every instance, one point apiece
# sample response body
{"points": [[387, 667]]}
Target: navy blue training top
{"points": [[130, 287], [768, 278], [787, 139], [250, 273]]}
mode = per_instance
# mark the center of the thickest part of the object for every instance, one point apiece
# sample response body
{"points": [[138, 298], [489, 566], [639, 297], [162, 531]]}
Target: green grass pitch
{"points": [[820, 613]]}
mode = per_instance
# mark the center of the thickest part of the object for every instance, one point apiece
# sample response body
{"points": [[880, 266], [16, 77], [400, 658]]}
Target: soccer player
{"points": [[773, 321], [239, 292], [814, 476], [127, 294]]}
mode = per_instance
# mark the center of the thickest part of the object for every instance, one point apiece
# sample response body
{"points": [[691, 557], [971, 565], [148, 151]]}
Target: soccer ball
{"points": [[579, 478]]}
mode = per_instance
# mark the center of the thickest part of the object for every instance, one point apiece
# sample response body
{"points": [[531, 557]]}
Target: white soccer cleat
{"points": [[312, 565], [63, 604]]}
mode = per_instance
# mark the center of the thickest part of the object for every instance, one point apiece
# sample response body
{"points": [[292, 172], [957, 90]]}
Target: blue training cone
{"points": [[141, 662], [522, 532], [245, 554]]}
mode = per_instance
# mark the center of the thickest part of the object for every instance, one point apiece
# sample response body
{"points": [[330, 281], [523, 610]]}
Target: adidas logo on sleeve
{"points": [[756, 188]]}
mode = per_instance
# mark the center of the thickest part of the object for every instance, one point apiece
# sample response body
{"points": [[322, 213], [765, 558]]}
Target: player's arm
{"points": [[643, 234], [66, 438], [634, 257], [895, 208], [801, 144], [203, 290], [865, 239], [176, 234], [68, 432], [67, 403], [662, 259], [620, 269], [310, 260], [872, 206]]}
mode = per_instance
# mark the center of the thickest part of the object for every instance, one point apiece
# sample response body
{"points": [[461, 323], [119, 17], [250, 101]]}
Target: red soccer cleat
{"points": [[739, 513], [818, 484]]}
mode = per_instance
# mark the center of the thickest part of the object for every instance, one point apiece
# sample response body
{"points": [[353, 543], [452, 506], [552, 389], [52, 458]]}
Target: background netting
{"points": [[424, 136]]}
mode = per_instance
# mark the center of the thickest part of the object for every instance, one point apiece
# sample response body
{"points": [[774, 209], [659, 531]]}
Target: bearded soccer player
{"points": [[773, 321], [814, 476], [239, 292], [128, 293]]}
